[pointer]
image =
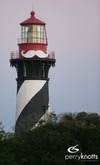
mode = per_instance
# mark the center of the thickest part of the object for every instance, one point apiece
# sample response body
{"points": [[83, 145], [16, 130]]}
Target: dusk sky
{"points": [[73, 30]]}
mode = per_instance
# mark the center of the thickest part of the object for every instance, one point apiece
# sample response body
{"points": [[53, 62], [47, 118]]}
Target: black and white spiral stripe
{"points": [[32, 103]]}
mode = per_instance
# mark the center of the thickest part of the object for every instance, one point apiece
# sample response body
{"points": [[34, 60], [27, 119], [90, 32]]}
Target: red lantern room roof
{"points": [[32, 20]]}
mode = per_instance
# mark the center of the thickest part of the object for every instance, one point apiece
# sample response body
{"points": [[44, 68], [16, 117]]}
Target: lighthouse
{"points": [[32, 63]]}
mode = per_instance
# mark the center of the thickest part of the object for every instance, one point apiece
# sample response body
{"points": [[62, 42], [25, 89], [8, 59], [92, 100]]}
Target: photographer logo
{"points": [[73, 149]]}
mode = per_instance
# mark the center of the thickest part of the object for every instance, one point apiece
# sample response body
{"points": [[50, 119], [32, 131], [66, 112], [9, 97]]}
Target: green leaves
{"points": [[48, 143]]}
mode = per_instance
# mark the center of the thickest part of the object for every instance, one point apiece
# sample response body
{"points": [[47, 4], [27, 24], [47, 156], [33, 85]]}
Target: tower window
{"points": [[33, 34]]}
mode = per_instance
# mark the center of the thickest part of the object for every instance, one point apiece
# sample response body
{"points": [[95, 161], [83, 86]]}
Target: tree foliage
{"points": [[48, 144]]}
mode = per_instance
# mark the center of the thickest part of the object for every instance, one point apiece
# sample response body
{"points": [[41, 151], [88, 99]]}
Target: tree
{"points": [[48, 143]]}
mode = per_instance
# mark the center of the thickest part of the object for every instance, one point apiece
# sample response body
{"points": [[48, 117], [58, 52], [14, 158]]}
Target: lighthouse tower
{"points": [[32, 63]]}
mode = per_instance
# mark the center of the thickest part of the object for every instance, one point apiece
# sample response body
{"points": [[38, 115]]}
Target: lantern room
{"points": [[33, 30], [33, 42]]}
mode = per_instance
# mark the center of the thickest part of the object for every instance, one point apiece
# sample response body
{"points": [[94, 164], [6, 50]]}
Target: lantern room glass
{"points": [[33, 34]]}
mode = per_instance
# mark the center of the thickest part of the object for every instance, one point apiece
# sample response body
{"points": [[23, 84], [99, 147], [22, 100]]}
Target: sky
{"points": [[73, 30]]}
